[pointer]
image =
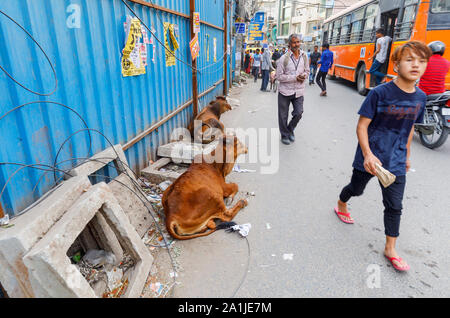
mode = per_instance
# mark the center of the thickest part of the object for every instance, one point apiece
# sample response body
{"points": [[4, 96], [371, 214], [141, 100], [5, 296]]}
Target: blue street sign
{"points": [[240, 28], [259, 17]]}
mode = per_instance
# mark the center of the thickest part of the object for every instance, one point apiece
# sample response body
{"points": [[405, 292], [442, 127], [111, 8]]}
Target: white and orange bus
{"points": [[351, 34]]}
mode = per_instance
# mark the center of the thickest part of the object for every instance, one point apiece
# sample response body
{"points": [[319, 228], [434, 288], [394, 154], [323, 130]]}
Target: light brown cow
{"points": [[196, 199], [210, 118]]}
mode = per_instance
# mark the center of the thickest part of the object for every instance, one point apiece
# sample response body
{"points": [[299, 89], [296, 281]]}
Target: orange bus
{"points": [[351, 34]]}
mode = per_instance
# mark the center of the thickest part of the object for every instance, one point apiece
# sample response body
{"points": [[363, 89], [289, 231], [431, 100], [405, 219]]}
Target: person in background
{"points": [[292, 71], [385, 130], [265, 69], [276, 55], [249, 68], [433, 81], [380, 55], [326, 62], [247, 61], [256, 64], [313, 60]]}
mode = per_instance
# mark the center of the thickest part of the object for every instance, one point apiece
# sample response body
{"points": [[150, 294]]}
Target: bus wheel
{"points": [[361, 81]]}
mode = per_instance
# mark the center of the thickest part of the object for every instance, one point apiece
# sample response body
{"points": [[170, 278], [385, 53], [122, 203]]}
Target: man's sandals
{"points": [[347, 215]]}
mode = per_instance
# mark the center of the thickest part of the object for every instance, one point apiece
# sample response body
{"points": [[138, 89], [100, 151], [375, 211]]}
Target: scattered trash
{"points": [[173, 274], [77, 257], [412, 170], [157, 288], [288, 257], [243, 229], [253, 111], [251, 194], [114, 278], [268, 226], [164, 185], [4, 220], [238, 169], [97, 258]]}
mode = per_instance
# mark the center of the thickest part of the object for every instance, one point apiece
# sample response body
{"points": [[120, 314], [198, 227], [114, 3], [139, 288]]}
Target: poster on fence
{"points": [[195, 47], [169, 35], [132, 63]]}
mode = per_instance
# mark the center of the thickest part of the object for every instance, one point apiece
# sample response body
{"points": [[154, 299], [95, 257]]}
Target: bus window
{"points": [[440, 6], [439, 16], [325, 33], [370, 25], [403, 29], [336, 32], [357, 19], [345, 31]]}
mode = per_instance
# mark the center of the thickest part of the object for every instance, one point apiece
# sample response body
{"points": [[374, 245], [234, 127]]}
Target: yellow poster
{"points": [[215, 49], [132, 60], [170, 51]]}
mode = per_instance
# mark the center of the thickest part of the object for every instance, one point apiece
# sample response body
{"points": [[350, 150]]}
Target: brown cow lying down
{"points": [[210, 118], [196, 198]]}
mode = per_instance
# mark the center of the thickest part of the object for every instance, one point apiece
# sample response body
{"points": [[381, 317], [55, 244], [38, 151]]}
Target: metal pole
{"points": [[194, 65], [225, 46]]}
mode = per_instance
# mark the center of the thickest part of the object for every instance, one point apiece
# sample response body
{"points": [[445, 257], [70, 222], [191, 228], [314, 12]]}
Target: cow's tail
{"points": [[171, 228]]}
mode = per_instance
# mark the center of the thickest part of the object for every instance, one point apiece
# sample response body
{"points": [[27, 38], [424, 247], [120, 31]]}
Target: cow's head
{"points": [[223, 104], [227, 150]]}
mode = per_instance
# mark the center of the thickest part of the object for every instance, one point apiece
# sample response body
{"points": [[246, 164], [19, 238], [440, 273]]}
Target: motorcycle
{"points": [[435, 128]]}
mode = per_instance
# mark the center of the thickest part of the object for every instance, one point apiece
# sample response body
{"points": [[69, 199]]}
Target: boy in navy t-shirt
{"points": [[385, 130]]}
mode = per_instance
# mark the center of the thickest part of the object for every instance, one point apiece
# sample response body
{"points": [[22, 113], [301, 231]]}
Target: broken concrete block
{"points": [[50, 270], [180, 151], [135, 208], [154, 175], [184, 152], [28, 229], [98, 161]]}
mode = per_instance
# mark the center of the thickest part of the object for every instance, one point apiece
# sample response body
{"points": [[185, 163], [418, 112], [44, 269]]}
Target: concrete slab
{"points": [[184, 152], [51, 272], [153, 174], [98, 161], [137, 212], [28, 229]]}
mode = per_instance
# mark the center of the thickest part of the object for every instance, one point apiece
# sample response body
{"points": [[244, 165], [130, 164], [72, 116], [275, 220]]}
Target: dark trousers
{"points": [[287, 129], [265, 79], [320, 80], [374, 70], [392, 198], [255, 72], [312, 73]]}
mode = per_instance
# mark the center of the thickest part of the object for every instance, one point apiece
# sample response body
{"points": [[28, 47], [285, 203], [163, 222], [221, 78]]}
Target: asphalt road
{"points": [[297, 247]]}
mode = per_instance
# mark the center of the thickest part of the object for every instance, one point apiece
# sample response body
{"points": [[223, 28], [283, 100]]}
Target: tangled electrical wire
{"points": [[135, 189]]}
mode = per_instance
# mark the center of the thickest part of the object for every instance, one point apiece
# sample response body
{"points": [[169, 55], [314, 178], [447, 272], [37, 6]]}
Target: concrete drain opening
{"points": [[92, 251], [101, 259]]}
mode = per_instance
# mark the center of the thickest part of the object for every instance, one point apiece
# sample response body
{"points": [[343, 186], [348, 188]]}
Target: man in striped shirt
{"points": [[433, 81]]}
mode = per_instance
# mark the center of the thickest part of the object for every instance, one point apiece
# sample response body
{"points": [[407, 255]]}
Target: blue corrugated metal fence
{"points": [[84, 40]]}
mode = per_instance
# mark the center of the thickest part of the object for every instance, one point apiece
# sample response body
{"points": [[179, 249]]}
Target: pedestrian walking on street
{"points": [[385, 130], [247, 62], [266, 64], [313, 60], [276, 55], [380, 55], [326, 62], [292, 71], [256, 64]]}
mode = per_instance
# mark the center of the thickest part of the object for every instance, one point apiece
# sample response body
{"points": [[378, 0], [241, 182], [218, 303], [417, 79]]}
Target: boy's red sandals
{"points": [[341, 214], [399, 259]]}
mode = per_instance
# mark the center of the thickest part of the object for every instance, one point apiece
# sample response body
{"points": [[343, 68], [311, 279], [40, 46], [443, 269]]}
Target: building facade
{"points": [[306, 19]]}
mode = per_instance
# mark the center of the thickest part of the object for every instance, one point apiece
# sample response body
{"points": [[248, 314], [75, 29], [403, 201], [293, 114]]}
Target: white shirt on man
{"points": [[384, 43]]}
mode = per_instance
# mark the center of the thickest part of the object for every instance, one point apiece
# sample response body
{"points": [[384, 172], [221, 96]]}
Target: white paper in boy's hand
{"points": [[386, 178]]}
